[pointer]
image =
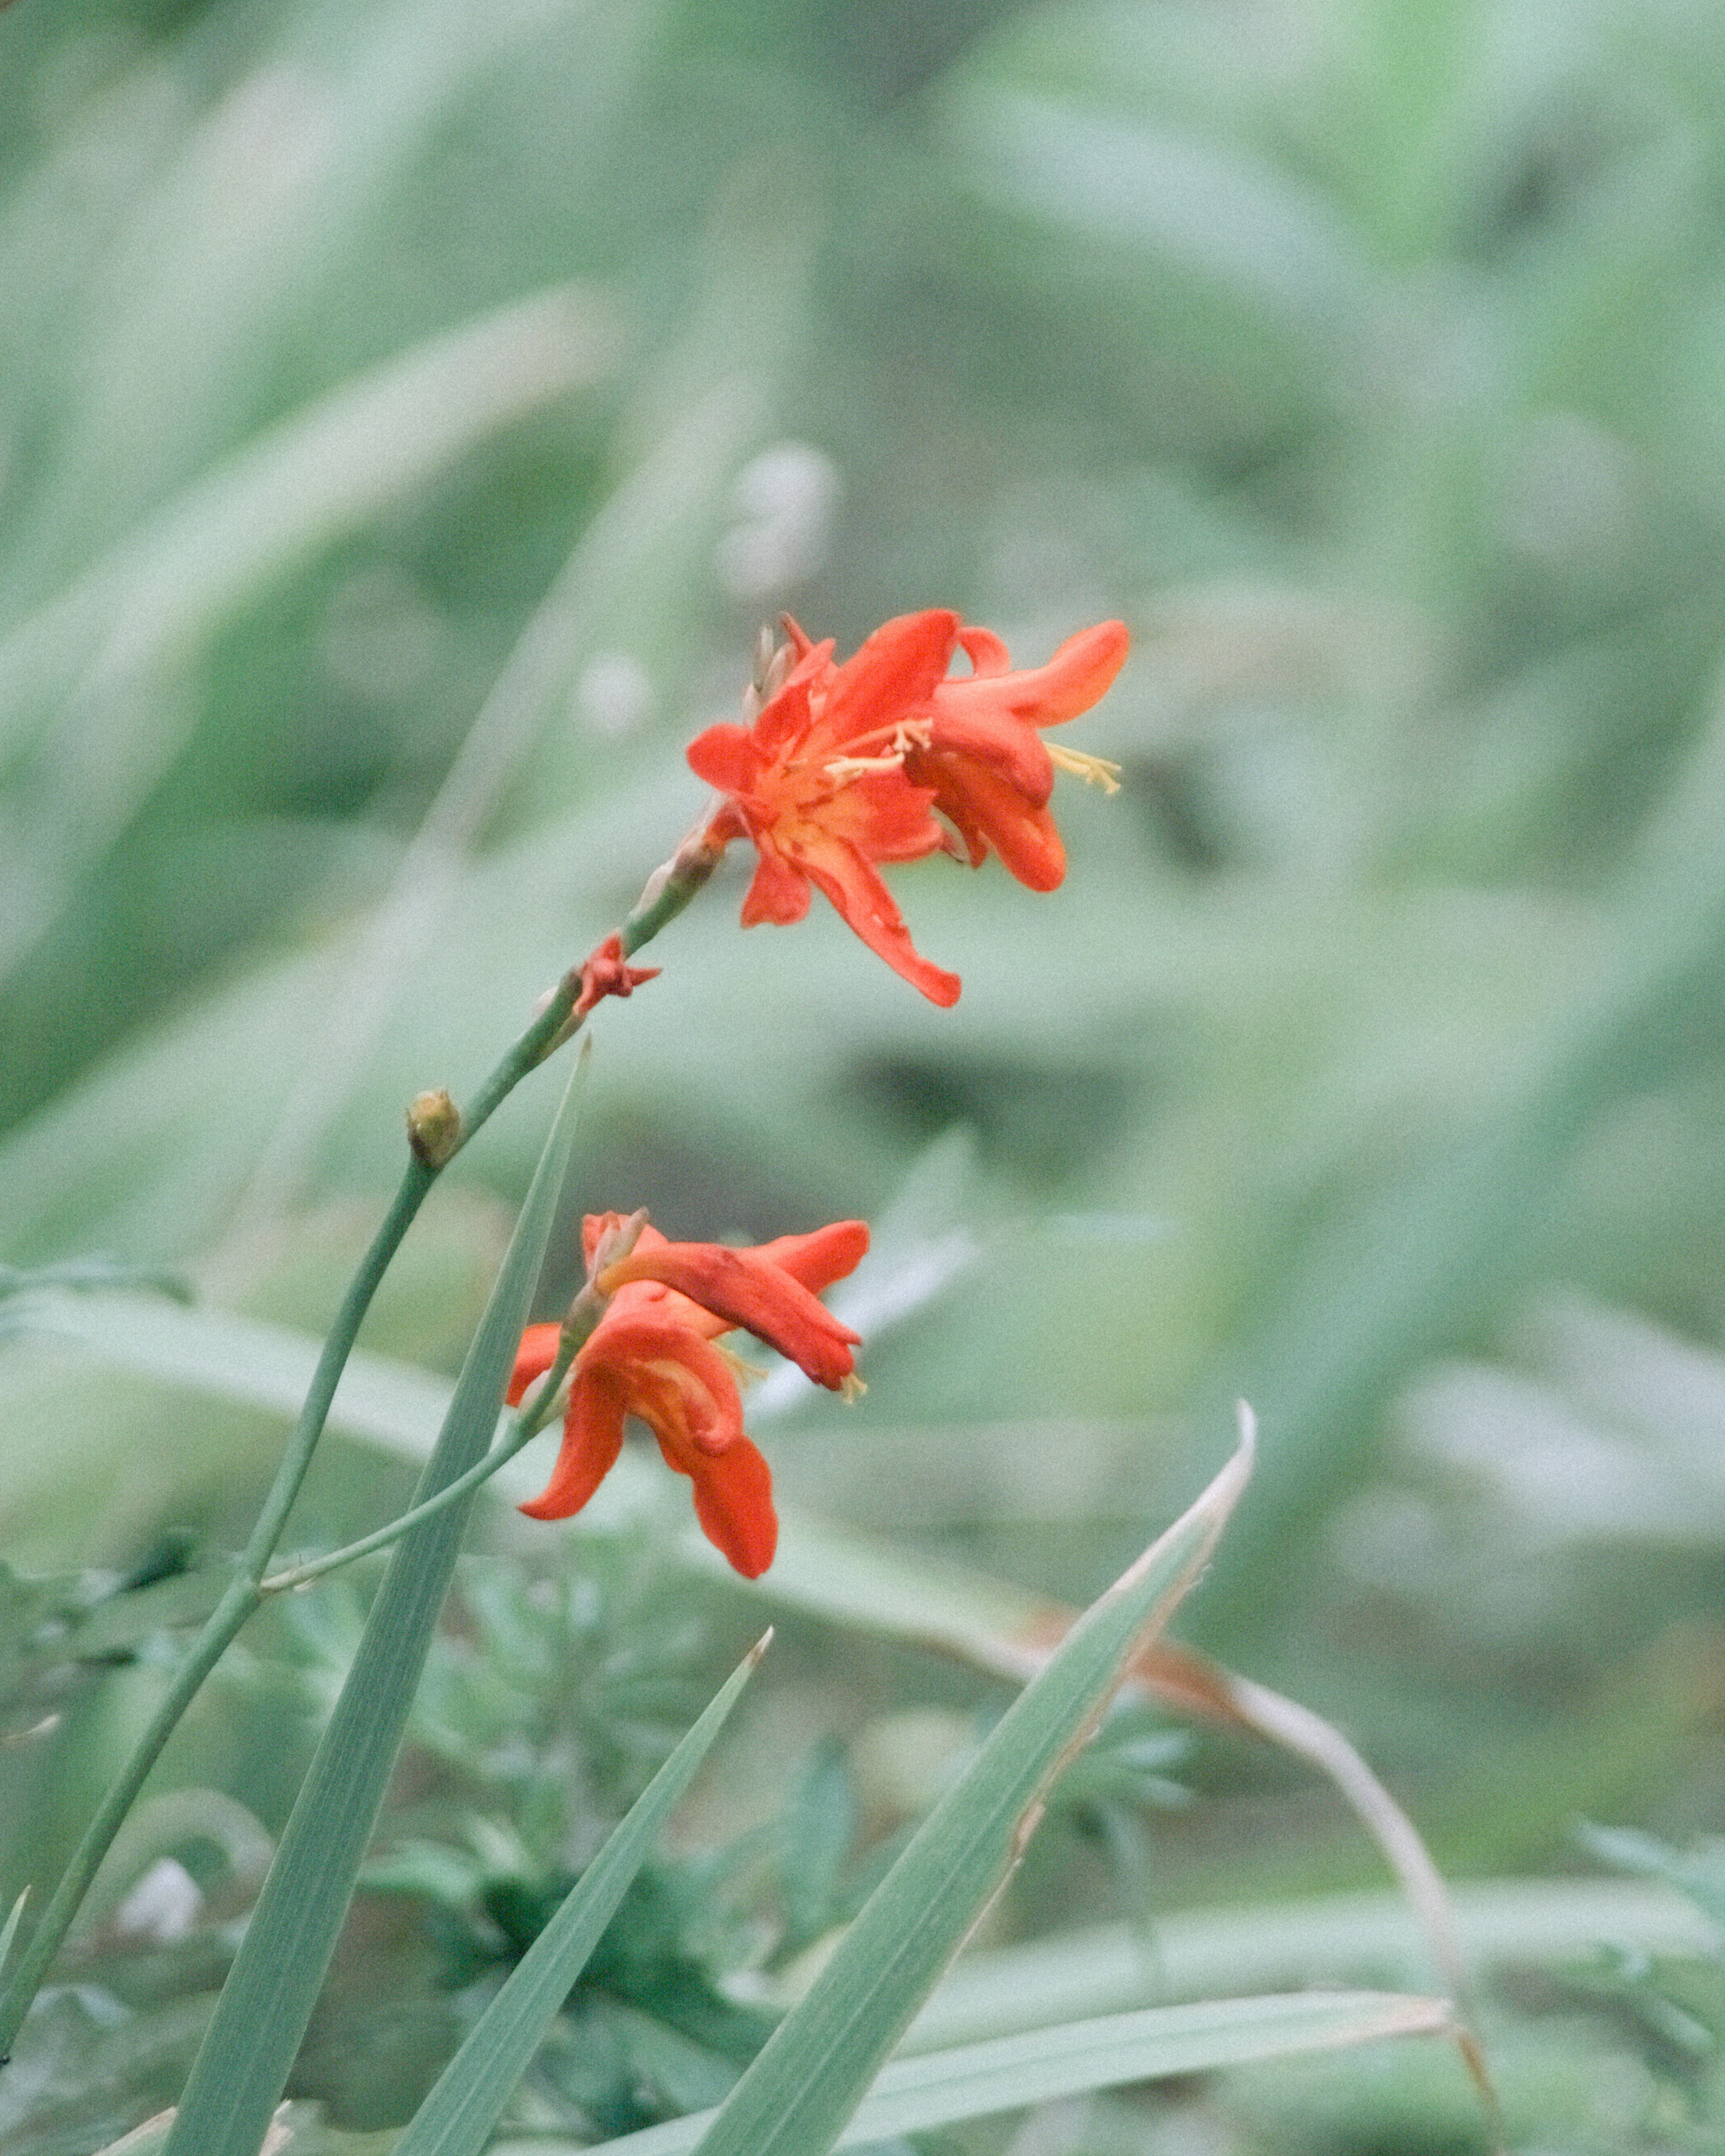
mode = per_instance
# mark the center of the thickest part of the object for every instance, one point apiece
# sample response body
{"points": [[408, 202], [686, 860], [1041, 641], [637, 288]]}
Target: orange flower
{"points": [[651, 1355], [991, 771], [817, 783], [845, 766]]}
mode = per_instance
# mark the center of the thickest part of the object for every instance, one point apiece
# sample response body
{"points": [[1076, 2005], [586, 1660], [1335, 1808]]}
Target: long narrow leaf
{"points": [[456, 2118], [975, 2080], [815, 2068], [839, 1574], [8, 1930], [307, 481], [1114, 1968], [243, 2062]]}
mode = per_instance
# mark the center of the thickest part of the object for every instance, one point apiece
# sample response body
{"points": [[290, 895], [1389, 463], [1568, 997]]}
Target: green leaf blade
{"points": [[1075, 2058], [461, 2110], [796, 2097], [243, 2062]]}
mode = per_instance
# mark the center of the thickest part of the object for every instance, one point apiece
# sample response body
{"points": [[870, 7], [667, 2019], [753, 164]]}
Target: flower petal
{"points": [[593, 1438], [725, 757], [1004, 744], [777, 891], [822, 1257], [733, 1502], [535, 1356], [1077, 676], [890, 675], [746, 1289], [670, 1376], [845, 878], [988, 810], [986, 651]]}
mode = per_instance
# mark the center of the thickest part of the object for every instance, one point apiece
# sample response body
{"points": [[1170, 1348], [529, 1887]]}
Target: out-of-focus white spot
{"points": [[164, 1905], [783, 501], [1054, 2129], [1561, 1475], [615, 695]]}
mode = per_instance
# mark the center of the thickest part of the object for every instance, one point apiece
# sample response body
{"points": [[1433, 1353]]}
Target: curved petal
{"points": [[890, 673], [675, 1380], [593, 1438], [822, 1257], [785, 721], [726, 756], [845, 878], [988, 811], [776, 892], [986, 652], [1077, 676], [534, 1357], [733, 1502], [1004, 744], [746, 1289], [882, 814]]}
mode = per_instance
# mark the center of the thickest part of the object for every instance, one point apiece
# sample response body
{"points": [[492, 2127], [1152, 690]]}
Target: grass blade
{"points": [[796, 2097], [457, 2117], [243, 2064], [302, 484], [8, 1930], [975, 2080]]}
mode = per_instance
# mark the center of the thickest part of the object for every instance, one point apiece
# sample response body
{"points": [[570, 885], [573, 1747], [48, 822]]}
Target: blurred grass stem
{"points": [[621, 538]]}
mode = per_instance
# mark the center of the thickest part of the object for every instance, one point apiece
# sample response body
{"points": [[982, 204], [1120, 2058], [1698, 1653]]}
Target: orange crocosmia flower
{"points": [[991, 772], [845, 767], [817, 783], [651, 1355]]}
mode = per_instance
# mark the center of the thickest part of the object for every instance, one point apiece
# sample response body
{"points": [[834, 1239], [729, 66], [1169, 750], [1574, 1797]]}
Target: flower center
{"points": [[907, 734]]}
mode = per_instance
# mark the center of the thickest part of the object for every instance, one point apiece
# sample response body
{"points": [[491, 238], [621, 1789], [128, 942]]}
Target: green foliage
{"points": [[407, 413]]}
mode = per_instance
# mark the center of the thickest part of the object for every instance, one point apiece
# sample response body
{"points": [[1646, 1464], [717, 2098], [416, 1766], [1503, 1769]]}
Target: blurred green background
{"points": [[409, 409]]}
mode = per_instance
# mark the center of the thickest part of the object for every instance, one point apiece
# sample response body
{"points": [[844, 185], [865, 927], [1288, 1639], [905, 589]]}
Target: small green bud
{"points": [[433, 1127]]}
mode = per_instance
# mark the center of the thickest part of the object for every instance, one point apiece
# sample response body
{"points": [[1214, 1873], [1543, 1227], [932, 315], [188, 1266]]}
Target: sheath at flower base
{"points": [[651, 1355], [845, 767]]}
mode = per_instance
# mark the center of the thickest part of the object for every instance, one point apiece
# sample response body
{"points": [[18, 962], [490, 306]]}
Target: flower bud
{"points": [[433, 1127]]}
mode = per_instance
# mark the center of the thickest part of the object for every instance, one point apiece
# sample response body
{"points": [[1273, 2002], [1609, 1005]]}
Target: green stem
{"points": [[237, 1604], [585, 1313], [667, 891], [482, 1471]]}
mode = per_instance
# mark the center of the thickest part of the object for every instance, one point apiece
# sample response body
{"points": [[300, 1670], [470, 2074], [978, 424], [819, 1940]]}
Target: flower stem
{"points": [[584, 1314], [302, 1575], [667, 891]]}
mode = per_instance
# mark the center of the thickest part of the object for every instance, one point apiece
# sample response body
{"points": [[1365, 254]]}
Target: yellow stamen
{"points": [[906, 735], [745, 1372], [1093, 770], [851, 1389], [857, 766]]}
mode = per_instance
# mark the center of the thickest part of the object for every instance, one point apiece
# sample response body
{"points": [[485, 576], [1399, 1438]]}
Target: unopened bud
{"points": [[433, 1127], [766, 650], [778, 673], [617, 1242]]}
